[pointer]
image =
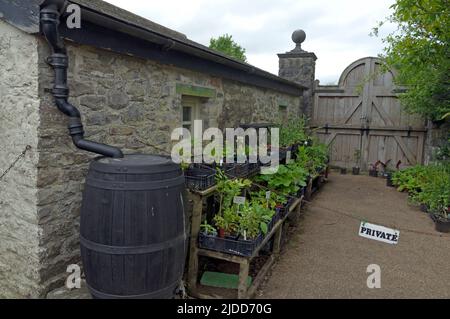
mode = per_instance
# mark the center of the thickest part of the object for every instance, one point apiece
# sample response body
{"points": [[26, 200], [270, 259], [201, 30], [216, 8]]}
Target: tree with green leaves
{"points": [[419, 50], [227, 45]]}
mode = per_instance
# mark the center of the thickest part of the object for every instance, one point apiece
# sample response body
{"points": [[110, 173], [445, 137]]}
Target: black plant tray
{"points": [[273, 222], [253, 168], [237, 247], [199, 179], [301, 192], [240, 170], [283, 211], [232, 170], [234, 246]]}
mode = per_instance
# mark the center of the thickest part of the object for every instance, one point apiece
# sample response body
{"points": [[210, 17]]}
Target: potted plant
{"points": [[274, 202], [435, 194], [287, 180], [227, 223], [442, 220], [254, 219], [390, 174], [226, 218], [207, 229], [313, 158], [373, 169], [357, 156], [429, 187]]}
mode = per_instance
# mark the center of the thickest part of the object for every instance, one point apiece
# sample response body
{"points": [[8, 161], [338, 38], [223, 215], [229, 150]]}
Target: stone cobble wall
{"points": [[245, 104], [300, 68], [19, 119], [129, 103]]}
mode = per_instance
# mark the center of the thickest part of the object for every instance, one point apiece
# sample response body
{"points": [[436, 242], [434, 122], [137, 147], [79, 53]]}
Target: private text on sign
{"points": [[379, 233]]}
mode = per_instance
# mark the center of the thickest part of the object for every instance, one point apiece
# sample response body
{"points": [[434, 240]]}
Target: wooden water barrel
{"points": [[133, 228]]}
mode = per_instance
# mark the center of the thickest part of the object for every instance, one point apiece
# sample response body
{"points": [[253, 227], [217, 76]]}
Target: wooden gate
{"points": [[363, 113]]}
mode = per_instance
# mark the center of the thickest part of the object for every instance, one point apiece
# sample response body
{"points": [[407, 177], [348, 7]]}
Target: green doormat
{"points": [[221, 280]]}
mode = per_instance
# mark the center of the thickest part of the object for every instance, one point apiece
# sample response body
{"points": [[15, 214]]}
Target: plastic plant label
{"points": [[379, 233], [268, 195], [239, 200]]}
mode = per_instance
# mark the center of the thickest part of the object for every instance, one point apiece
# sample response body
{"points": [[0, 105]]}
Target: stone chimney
{"points": [[299, 66]]}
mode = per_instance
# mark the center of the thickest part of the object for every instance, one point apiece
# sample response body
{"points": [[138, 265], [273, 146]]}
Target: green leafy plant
{"points": [[428, 185], [185, 166], [312, 158], [208, 229], [293, 132], [287, 180], [227, 217], [419, 51], [254, 219], [228, 221], [442, 153], [227, 45], [228, 189], [272, 202], [411, 179]]}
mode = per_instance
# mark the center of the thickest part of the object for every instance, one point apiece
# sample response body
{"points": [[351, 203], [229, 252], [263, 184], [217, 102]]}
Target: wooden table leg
{"points": [[243, 277], [277, 241], [193, 255], [308, 194]]}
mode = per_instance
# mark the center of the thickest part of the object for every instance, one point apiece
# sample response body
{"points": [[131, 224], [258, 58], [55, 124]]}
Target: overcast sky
{"points": [[337, 30]]}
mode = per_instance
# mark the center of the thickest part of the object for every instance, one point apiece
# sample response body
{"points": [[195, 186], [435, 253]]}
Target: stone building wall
{"points": [[126, 102], [19, 119], [244, 104]]}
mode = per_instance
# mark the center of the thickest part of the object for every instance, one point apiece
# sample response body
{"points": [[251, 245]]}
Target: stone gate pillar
{"points": [[299, 66]]}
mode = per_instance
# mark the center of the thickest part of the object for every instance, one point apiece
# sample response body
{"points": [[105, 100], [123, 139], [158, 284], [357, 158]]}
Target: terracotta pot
{"points": [[221, 233]]}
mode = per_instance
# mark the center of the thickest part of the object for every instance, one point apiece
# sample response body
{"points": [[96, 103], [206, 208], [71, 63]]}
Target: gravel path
{"points": [[325, 257]]}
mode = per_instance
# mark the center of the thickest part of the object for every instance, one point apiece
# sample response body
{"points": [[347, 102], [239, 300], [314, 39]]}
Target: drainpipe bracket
{"points": [[75, 126], [50, 15], [60, 91], [58, 60]]}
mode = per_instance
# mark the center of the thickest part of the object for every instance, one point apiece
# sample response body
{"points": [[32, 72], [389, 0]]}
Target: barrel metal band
{"points": [[155, 294], [139, 250], [135, 186]]}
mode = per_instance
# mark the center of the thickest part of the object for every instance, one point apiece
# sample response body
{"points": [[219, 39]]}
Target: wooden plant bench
{"points": [[244, 292]]}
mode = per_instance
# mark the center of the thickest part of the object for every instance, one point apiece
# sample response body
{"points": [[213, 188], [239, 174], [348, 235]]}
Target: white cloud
{"points": [[337, 31]]}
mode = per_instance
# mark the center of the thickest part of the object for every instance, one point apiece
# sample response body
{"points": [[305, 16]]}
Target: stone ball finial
{"points": [[299, 36]]}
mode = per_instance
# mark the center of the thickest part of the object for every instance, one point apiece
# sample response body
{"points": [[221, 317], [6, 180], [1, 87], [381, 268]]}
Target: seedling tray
{"points": [[237, 247], [199, 179]]}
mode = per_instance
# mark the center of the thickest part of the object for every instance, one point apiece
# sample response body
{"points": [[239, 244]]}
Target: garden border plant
{"points": [[428, 187]]}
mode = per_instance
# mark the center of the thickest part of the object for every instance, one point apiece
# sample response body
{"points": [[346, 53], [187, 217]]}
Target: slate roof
{"points": [[24, 14]]}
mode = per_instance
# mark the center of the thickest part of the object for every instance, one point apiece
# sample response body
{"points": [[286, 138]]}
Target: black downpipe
{"points": [[50, 19]]}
